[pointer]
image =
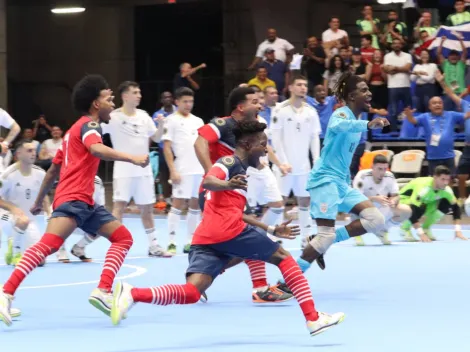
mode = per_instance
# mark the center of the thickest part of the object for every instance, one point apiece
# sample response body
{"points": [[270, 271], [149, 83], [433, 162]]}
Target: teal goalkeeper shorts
{"points": [[329, 199]]}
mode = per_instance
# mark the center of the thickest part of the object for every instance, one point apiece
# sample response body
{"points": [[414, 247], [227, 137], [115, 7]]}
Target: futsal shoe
{"points": [[359, 241], [428, 233], [271, 295], [383, 237], [16, 259], [79, 252], [62, 255], [159, 252], [187, 248], [407, 236], [203, 298], [122, 302], [15, 312], [282, 286], [5, 307], [101, 300], [324, 322], [171, 248], [9, 252]]}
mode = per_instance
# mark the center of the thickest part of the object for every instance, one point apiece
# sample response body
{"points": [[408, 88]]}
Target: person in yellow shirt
{"points": [[261, 80]]}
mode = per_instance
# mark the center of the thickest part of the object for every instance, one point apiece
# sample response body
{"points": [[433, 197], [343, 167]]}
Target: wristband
{"points": [[271, 229], [458, 227]]}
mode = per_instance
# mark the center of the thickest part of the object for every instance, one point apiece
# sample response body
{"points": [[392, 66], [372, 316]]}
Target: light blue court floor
{"points": [[408, 297]]}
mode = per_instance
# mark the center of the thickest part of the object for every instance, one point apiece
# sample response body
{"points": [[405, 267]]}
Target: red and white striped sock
{"points": [[298, 284], [121, 242], [31, 258], [167, 294], [258, 273]]}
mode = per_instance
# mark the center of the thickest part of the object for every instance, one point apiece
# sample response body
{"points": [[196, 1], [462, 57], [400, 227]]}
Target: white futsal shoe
{"points": [[324, 322], [122, 302], [5, 307]]}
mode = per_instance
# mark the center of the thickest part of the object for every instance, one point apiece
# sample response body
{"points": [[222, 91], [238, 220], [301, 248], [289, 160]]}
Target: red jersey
{"points": [[219, 135], [223, 210], [78, 165], [367, 54]]}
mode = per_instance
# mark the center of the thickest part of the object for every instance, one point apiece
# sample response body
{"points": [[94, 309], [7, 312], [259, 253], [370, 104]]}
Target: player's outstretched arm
{"points": [[108, 154], [201, 146], [213, 183], [51, 175], [282, 231]]}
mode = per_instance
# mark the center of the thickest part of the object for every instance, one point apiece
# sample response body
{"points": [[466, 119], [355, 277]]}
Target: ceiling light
{"points": [[67, 10]]}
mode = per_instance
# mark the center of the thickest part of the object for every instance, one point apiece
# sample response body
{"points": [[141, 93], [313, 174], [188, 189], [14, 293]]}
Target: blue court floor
{"points": [[402, 298]]}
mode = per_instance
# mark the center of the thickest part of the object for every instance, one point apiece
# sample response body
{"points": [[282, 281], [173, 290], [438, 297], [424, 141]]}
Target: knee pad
{"points": [[324, 239], [372, 220], [192, 293]]}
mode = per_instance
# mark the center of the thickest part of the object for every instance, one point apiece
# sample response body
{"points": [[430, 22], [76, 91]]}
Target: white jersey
{"points": [[20, 189], [264, 159], [366, 184], [130, 134], [297, 129], [5, 119], [98, 195], [181, 131]]}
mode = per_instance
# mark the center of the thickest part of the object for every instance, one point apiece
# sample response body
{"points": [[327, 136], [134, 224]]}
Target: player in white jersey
{"points": [[295, 129], [381, 187], [130, 129], [263, 188], [179, 135], [20, 185], [78, 249]]}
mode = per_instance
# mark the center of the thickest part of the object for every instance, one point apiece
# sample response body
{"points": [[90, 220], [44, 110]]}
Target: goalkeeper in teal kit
{"points": [[329, 181]]}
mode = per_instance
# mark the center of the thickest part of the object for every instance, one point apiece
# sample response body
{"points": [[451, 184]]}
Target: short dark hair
{"points": [[183, 92], [261, 68], [297, 78], [245, 129], [441, 170], [124, 86], [456, 1], [21, 143], [333, 17], [87, 90], [366, 37], [346, 84], [380, 159], [255, 88], [238, 96]]}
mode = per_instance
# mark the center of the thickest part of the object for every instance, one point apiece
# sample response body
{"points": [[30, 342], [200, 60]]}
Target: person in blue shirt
{"points": [[438, 126], [271, 98], [329, 181], [324, 105]]}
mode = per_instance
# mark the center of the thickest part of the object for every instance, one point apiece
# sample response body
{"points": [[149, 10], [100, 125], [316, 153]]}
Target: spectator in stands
{"points": [[397, 64], [28, 135], [425, 24], [369, 25], [454, 70], [50, 147], [261, 80], [424, 75], [282, 48], [378, 82], [313, 62], [438, 126], [411, 17], [367, 51], [393, 30], [334, 72], [271, 98], [41, 129], [460, 16], [324, 104], [278, 71], [184, 77], [334, 37], [423, 44], [358, 67], [345, 53]]}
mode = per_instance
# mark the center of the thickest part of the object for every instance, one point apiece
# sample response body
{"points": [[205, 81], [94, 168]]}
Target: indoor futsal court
{"points": [[406, 297]]}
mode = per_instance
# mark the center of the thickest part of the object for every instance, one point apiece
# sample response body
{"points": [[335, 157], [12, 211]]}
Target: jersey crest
{"points": [[342, 115], [220, 122], [93, 124], [228, 161]]}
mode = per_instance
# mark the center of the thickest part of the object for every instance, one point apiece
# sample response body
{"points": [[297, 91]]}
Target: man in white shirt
{"points": [[283, 50], [50, 147], [381, 187], [334, 38], [20, 185], [179, 135], [130, 129], [295, 129], [397, 65]]}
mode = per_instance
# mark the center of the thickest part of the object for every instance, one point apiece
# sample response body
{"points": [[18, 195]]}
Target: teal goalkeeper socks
{"points": [[342, 234]]}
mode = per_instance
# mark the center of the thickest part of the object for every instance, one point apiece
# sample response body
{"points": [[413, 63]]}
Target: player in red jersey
{"points": [[216, 140], [77, 163], [223, 235]]}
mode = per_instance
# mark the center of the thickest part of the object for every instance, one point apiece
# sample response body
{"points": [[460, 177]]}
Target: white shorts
{"points": [[295, 183], [141, 189], [188, 187], [262, 187]]}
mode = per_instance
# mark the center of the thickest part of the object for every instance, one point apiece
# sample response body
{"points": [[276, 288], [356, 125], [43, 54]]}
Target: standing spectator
{"points": [[282, 48], [324, 104], [184, 77], [454, 70], [313, 62], [425, 24], [367, 51], [424, 43], [423, 74], [369, 25], [28, 135], [278, 71], [378, 82], [41, 129], [334, 72], [345, 53], [393, 30], [460, 16], [50, 147], [261, 80], [411, 16], [397, 65], [358, 67], [334, 37]]}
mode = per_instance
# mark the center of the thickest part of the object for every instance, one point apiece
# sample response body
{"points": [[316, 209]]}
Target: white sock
{"points": [[305, 222], [152, 236], [18, 239], [174, 217], [193, 219], [272, 217], [85, 240]]}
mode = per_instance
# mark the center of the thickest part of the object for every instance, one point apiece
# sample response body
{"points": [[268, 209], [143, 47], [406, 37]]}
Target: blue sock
{"points": [[342, 234], [303, 264]]}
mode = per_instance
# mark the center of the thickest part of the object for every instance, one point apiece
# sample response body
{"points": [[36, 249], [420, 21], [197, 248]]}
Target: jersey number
{"points": [[66, 155], [208, 195], [27, 193]]}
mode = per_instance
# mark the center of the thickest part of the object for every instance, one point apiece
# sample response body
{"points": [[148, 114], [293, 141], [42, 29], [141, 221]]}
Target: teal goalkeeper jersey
{"points": [[342, 137]]}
